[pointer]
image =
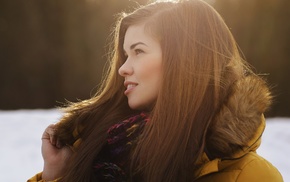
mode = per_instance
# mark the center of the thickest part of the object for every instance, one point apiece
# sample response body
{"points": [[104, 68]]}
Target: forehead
{"points": [[138, 33]]}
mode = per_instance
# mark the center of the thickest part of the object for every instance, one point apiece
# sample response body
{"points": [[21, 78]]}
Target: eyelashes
{"points": [[135, 51], [138, 51]]}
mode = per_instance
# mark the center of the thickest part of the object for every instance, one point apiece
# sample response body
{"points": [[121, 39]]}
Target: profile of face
{"points": [[142, 69]]}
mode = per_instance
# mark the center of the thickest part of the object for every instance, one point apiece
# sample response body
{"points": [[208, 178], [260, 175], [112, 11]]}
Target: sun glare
{"points": [[166, 0], [208, 1]]}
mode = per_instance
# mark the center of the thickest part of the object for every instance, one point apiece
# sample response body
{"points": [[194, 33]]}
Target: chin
{"points": [[136, 107], [140, 107]]}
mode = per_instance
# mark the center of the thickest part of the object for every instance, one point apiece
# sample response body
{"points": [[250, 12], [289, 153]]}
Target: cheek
{"points": [[153, 74], [154, 77], [152, 66]]}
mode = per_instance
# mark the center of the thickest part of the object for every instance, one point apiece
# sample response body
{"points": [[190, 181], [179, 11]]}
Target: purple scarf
{"points": [[112, 163]]}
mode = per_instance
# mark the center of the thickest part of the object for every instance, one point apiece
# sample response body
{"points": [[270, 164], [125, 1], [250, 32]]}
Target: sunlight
{"points": [[165, 0], [208, 1]]}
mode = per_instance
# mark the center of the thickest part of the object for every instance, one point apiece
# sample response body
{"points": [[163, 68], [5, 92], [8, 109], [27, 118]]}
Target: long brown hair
{"points": [[200, 63]]}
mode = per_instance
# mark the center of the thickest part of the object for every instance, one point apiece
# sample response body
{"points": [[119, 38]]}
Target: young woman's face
{"points": [[142, 68]]}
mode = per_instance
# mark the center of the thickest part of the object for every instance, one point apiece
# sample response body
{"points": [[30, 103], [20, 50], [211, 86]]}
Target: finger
{"points": [[52, 139], [50, 134], [59, 144]]}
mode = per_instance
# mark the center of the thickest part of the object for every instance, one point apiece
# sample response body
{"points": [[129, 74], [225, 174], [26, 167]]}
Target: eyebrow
{"points": [[134, 45]]}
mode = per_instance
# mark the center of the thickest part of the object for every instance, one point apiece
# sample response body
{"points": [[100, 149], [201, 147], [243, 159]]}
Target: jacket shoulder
{"points": [[250, 167], [255, 168]]}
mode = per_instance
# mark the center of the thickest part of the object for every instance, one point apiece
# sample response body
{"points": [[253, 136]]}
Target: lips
{"points": [[129, 86]]}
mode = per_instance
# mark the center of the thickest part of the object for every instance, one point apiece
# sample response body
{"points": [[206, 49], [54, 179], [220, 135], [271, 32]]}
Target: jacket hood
{"points": [[238, 126]]}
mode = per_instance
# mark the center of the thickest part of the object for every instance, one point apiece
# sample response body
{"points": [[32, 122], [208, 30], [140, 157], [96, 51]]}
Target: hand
{"points": [[54, 153]]}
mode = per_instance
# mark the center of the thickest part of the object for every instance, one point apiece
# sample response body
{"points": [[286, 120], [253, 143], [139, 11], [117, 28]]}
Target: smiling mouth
{"points": [[129, 87]]}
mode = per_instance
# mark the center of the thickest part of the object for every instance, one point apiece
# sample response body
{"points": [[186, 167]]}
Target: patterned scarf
{"points": [[112, 164]]}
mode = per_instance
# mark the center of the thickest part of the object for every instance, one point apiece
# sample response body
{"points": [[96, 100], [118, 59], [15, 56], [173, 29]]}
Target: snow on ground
{"points": [[21, 130]]}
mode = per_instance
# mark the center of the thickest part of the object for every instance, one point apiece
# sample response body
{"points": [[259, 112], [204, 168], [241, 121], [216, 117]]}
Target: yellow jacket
{"points": [[38, 178]]}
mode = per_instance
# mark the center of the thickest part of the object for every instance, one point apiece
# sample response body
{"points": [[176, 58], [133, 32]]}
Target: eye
{"points": [[138, 51]]}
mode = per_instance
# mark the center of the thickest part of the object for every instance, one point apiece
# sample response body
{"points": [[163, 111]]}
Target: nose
{"points": [[126, 69]]}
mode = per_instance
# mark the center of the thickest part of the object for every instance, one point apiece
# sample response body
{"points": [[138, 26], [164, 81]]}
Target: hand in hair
{"points": [[54, 153]]}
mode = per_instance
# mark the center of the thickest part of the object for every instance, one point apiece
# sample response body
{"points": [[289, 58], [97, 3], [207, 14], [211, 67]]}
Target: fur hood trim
{"points": [[236, 126]]}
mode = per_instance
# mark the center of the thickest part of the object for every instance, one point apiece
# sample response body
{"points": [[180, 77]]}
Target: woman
{"points": [[178, 104]]}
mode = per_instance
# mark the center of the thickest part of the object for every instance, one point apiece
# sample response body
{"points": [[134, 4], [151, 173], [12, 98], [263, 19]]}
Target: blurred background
{"points": [[55, 50]]}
